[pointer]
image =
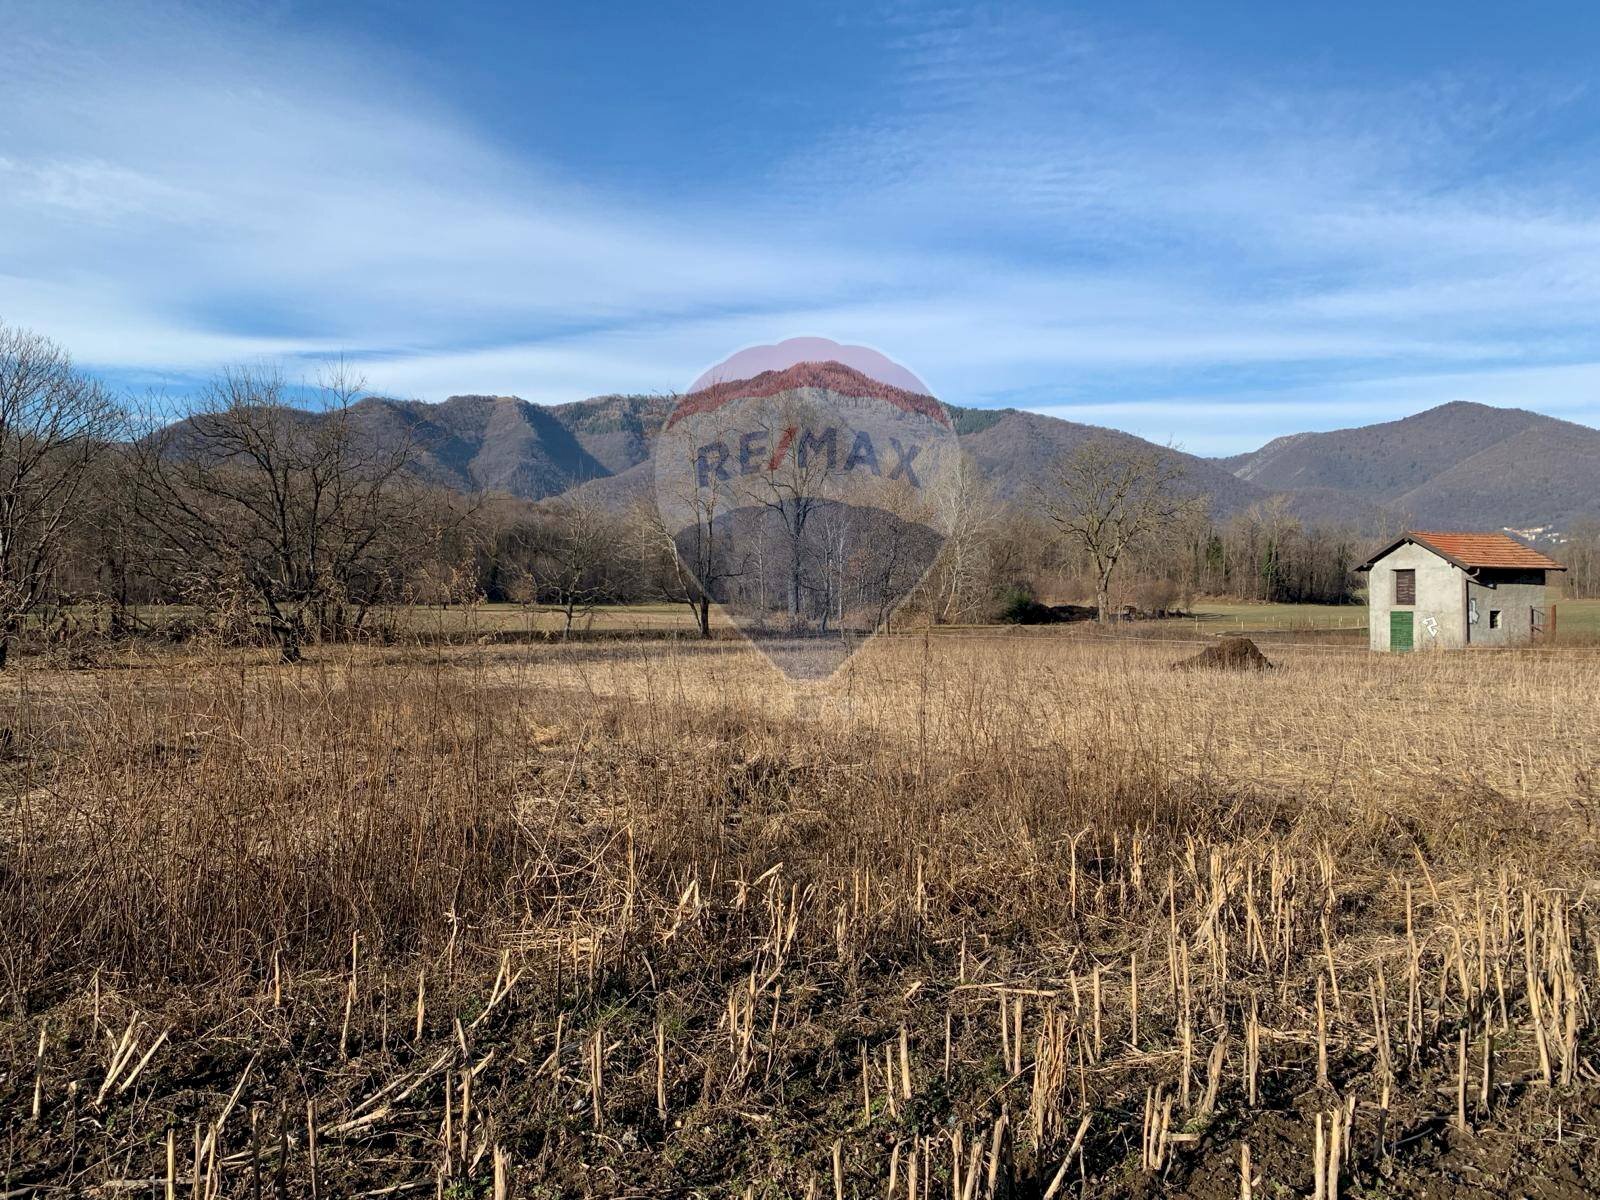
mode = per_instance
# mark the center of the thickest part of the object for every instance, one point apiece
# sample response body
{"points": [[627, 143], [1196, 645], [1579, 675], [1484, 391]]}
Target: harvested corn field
{"points": [[978, 917]]}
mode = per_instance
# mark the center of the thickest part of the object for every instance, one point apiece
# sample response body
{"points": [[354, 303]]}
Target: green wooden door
{"points": [[1400, 630]]}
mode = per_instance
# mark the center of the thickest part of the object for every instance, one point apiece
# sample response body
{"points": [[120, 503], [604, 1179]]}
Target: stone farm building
{"points": [[1448, 590]]}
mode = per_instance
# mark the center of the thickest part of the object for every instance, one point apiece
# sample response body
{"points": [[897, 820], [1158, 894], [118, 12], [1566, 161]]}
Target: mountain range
{"points": [[1458, 466]]}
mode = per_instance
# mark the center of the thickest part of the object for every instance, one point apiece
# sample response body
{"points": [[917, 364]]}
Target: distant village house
{"points": [[1449, 590]]}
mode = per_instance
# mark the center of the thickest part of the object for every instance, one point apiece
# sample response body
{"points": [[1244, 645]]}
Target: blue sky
{"points": [[1213, 224]]}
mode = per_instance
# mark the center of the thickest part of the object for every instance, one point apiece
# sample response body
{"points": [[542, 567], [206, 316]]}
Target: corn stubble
{"points": [[1002, 918]]}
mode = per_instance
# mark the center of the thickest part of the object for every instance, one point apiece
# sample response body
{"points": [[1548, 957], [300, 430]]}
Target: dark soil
{"points": [[1031, 612], [1229, 654]]}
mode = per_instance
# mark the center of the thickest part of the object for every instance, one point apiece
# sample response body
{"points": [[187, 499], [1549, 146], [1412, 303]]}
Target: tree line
{"points": [[260, 512]]}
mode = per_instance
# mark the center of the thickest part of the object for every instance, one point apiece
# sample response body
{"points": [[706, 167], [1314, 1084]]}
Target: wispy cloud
{"points": [[1034, 212]]}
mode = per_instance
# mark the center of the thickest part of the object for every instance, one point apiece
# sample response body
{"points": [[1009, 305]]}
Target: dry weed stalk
{"points": [[679, 912]]}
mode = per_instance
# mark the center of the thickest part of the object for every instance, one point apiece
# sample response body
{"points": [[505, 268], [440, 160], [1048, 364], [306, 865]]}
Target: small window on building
{"points": [[1494, 618], [1405, 587]]}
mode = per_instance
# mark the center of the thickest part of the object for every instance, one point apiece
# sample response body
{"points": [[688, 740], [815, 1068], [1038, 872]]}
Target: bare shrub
{"points": [[55, 426]]}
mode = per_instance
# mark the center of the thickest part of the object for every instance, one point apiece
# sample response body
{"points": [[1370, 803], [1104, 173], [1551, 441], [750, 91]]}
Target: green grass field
{"points": [[1215, 617], [1575, 619]]}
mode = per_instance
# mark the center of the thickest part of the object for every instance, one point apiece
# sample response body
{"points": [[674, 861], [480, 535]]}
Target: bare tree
{"points": [[295, 508], [574, 556], [1582, 556], [55, 423], [793, 456], [896, 544], [107, 565], [703, 551], [1109, 498], [965, 511], [838, 531]]}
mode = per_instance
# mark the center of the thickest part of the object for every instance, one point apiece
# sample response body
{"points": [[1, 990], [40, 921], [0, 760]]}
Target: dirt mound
{"points": [[1229, 654], [1027, 611]]}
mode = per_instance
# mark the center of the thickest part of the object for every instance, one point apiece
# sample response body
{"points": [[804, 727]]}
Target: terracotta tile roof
{"points": [[1485, 550]]}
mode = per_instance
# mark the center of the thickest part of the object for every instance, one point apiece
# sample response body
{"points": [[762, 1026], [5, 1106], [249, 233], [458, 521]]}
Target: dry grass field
{"points": [[994, 915]]}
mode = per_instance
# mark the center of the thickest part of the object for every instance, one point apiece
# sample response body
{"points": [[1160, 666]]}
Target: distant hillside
{"points": [[1456, 466], [1016, 449], [531, 451], [1545, 476], [1381, 461]]}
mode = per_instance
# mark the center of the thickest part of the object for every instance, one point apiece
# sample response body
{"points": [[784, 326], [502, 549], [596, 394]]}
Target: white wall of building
{"points": [[1439, 620]]}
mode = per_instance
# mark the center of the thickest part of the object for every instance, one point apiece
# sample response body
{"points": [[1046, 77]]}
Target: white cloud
{"points": [[238, 178], [1221, 425], [1037, 214]]}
